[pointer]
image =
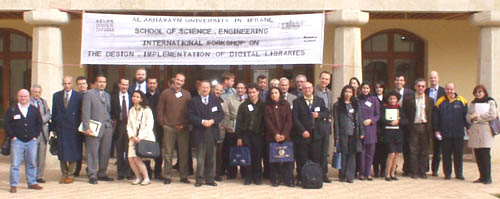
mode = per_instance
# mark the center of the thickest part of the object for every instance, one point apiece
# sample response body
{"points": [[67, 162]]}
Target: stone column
{"points": [[47, 56], [347, 50], [489, 60]]}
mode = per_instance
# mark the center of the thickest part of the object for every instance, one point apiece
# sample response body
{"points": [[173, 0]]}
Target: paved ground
{"points": [[407, 188]]}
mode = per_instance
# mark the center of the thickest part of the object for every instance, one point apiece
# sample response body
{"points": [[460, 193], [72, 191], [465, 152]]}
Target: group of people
{"points": [[371, 127]]}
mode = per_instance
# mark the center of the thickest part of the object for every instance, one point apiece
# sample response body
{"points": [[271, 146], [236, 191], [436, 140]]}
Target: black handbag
{"points": [[6, 146], [54, 145], [146, 148], [495, 126]]}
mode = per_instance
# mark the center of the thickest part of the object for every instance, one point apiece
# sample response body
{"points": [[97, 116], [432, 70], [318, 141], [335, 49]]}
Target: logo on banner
{"points": [[104, 25]]}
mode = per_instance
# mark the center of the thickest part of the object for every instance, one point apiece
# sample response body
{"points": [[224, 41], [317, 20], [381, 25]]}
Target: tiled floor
{"points": [[405, 188]]}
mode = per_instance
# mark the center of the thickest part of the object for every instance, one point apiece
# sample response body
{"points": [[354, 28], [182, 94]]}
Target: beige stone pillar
{"points": [[347, 46], [47, 55], [489, 60]]}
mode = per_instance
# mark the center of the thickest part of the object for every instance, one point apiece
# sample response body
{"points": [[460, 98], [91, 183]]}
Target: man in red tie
{"points": [[120, 104]]}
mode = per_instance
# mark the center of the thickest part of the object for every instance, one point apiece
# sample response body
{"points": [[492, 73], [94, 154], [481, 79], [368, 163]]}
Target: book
{"points": [[94, 127]]}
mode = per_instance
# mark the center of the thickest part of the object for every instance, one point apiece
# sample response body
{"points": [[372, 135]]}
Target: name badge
{"points": [[316, 109], [214, 109], [17, 116], [351, 110], [178, 94], [250, 107], [369, 104]]}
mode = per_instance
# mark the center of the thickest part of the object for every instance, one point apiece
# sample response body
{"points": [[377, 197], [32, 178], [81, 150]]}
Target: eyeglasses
{"points": [[421, 86]]}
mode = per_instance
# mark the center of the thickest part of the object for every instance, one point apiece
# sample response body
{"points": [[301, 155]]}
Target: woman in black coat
{"points": [[380, 149], [348, 131]]}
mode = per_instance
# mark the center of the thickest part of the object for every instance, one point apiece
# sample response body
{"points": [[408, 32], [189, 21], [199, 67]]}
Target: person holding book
{"points": [[393, 119]]}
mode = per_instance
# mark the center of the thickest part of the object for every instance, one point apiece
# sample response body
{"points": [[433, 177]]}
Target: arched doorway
{"points": [[393, 51], [15, 65]]}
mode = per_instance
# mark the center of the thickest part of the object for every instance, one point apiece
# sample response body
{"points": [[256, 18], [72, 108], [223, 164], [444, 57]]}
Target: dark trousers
{"points": [[265, 160], [483, 161], [436, 154], [453, 146], [79, 165], [257, 147], [121, 144], [218, 160], [367, 154], [380, 159], [159, 160], [325, 149], [205, 159], [229, 141], [419, 149], [310, 151], [348, 160], [281, 171], [406, 152]]}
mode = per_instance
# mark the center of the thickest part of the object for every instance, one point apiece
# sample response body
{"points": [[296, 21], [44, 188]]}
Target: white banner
{"points": [[169, 40]]}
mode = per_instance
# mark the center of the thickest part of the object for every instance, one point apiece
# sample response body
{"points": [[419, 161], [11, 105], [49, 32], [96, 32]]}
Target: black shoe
{"points": [[326, 179], [257, 182], [387, 179], [105, 178], [460, 177], [275, 184], [120, 178], [369, 179], [447, 177], [211, 184], [40, 180], [247, 182], [93, 181], [349, 181], [362, 178], [480, 180], [167, 181], [487, 181], [423, 176], [197, 184], [185, 180], [291, 184], [434, 174], [394, 178], [414, 176], [218, 179]]}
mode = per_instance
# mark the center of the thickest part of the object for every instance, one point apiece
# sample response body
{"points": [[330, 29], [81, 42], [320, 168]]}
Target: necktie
{"points": [[66, 100], [241, 98], [124, 109], [310, 104], [205, 100], [38, 105]]}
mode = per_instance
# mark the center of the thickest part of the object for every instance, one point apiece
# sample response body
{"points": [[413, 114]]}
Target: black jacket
{"points": [[341, 117], [244, 123], [23, 128], [304, 121], [115, 106], [197, 111]]}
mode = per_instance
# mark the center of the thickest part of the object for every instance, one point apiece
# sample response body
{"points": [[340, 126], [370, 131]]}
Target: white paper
{"points": [[391, 114], [481, 108]]}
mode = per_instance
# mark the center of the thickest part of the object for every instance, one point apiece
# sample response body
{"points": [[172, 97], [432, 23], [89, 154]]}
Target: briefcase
{"points": [[280, 152], [147, 149], [6, 146], [53, 146], [239, 156]]}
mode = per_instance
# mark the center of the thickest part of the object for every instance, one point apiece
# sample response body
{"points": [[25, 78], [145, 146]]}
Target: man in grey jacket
{"points": [[97, 107], [37, 101]]}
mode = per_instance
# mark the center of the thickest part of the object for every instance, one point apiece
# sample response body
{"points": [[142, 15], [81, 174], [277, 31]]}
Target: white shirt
{"points": [[68, 93], [401, 92], [24, 110], [126, 100], [142, 86], [420, 109]]}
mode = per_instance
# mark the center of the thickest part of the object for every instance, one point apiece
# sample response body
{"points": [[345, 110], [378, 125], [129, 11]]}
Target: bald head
{"points": [[450, 90], [23, 97], [307, 89], [67, 83], [218, 89], [434, 78]]}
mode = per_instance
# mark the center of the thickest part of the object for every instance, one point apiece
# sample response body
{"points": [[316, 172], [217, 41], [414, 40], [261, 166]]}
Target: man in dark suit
{"points": [[23, 124], [120, 105], [82, 85], [66, 117], [435, 92], [96, 106], [140, 81], [153, 95], [300, 79], [205, 113], [399, 86], [418, 109], [308, 113]]}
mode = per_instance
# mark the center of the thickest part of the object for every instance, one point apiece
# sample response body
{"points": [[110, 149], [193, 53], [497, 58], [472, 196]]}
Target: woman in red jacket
{"points": [[278, 120]]}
